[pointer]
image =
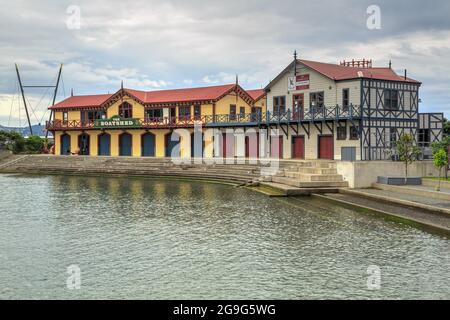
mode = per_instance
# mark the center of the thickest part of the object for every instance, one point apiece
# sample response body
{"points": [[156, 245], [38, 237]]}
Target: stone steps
{"points": [[314, 170], [309, 184], [306, 177]]}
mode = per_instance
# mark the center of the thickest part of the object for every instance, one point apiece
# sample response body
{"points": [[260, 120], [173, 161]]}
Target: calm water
{"points": [[166, 239]]}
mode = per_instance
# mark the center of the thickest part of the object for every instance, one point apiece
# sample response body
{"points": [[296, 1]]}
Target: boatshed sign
{"points": [[116, 122], [300, 82]]}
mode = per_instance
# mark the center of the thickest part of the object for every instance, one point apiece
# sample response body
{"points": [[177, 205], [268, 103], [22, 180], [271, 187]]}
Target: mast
{"points": [[54, 97], [24, 101]]}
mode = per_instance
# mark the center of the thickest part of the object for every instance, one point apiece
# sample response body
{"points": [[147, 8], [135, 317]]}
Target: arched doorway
{"points": [[65, 144], [172, 145], [148, 145], [83, 144], [125, 144], [197, 150], [104, 144]]}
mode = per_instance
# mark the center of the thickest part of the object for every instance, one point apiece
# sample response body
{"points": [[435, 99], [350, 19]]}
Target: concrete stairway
{"points": [[133, 166], [286, 177], [311, 174]]}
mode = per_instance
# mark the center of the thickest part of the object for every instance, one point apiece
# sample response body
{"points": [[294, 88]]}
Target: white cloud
{"points": [[163, 44]]}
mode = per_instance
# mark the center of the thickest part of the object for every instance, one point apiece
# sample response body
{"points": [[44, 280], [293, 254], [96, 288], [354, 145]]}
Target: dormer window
{"points": [[126, 110]]}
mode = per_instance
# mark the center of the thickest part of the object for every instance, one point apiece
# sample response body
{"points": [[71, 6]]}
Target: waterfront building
{"points": [[141, 123], [311, 110]]}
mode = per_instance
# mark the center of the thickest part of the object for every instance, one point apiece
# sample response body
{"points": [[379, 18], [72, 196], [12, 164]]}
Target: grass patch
{"points": [[434, 178]]}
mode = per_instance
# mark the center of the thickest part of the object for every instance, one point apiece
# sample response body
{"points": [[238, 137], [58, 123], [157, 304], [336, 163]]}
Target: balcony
{"points": [[335, 113]]}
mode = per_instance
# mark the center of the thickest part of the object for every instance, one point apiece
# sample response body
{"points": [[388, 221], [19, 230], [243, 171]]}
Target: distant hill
{"points": [[38, 130]]}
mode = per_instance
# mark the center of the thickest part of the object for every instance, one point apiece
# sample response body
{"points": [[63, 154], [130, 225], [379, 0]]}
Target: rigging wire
{"points": [[64, 88], [32, 110], [12, 103]]}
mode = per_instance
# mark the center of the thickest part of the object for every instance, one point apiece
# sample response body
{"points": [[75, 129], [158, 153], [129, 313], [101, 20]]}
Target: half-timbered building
{"points": [[348, 111], [311, 110]]}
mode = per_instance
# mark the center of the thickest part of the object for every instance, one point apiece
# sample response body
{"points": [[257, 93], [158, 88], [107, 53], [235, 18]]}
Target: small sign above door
{"points": [[300, 82]]}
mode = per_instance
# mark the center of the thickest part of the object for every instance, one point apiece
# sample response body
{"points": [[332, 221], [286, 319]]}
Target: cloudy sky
{"points": [[178, 43]]}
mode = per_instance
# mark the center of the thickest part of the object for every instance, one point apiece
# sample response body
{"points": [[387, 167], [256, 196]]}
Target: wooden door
{"points": [[125, 144], [148, 145], [326, 148], [298, 103], [276, 147], [252, 146], [298, 147]]}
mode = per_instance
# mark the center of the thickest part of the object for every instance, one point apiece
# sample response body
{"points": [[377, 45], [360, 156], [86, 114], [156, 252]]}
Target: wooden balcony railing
{"points": [[251, 119]]}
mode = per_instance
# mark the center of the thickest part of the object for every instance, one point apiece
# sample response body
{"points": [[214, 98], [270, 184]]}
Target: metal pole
{"points": [[54, 97], [24, 101]]}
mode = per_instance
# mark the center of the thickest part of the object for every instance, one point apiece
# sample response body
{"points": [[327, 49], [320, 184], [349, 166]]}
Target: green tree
{"points": [[443, 144], [13, 141], [446, 128], [34, 144], [407, 151], [440, 159]]}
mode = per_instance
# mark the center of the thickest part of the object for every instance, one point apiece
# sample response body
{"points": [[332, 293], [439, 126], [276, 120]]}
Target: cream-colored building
{"points": [[351, 111]]}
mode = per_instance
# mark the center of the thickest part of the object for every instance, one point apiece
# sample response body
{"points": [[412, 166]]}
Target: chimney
{"points": [[406, 74]]}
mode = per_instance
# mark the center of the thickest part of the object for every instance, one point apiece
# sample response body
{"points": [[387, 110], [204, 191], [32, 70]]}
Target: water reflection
{"points": [[142, 238]]}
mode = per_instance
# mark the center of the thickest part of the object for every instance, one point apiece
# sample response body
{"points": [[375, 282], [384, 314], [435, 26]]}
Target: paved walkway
{"points": [[440, 221], [408, 197], [444, 190]]}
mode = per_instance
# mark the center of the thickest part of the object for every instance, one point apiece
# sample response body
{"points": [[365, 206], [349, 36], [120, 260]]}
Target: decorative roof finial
{"points": [[237, 79], [390, 64], [71, 92], [295, 54], [121, 85]]}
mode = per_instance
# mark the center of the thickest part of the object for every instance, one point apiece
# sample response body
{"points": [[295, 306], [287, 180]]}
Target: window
{"points": [[345, 99], [424, 138], [354, 132], [392, 136], [256, 113], [316, 101], [279, 104], [65, 116], [153, 114], [197, 112], [184, 112], [90, 116], [232, 112], [126, 110], [242, 111], [391, 99], [342, 133]]}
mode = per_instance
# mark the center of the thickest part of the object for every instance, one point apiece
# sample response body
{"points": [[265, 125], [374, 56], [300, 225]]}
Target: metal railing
{"points": [[334, 113]]}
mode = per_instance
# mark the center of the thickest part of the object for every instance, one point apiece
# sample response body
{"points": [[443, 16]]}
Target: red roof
{"points": [[153, 97], [338, 72], [82, 101], [181, 95], [256, 94]]}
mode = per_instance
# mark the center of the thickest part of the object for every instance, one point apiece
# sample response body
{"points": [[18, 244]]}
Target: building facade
{"points": [[351, 111], [311, 110], [154, 123]]}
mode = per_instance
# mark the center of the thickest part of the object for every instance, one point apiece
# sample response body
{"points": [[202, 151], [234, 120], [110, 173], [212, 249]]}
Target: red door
{"points": [[298, 147], [254, 152], [298, 104], [276, 149], [227, 145], [326, 147]]}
